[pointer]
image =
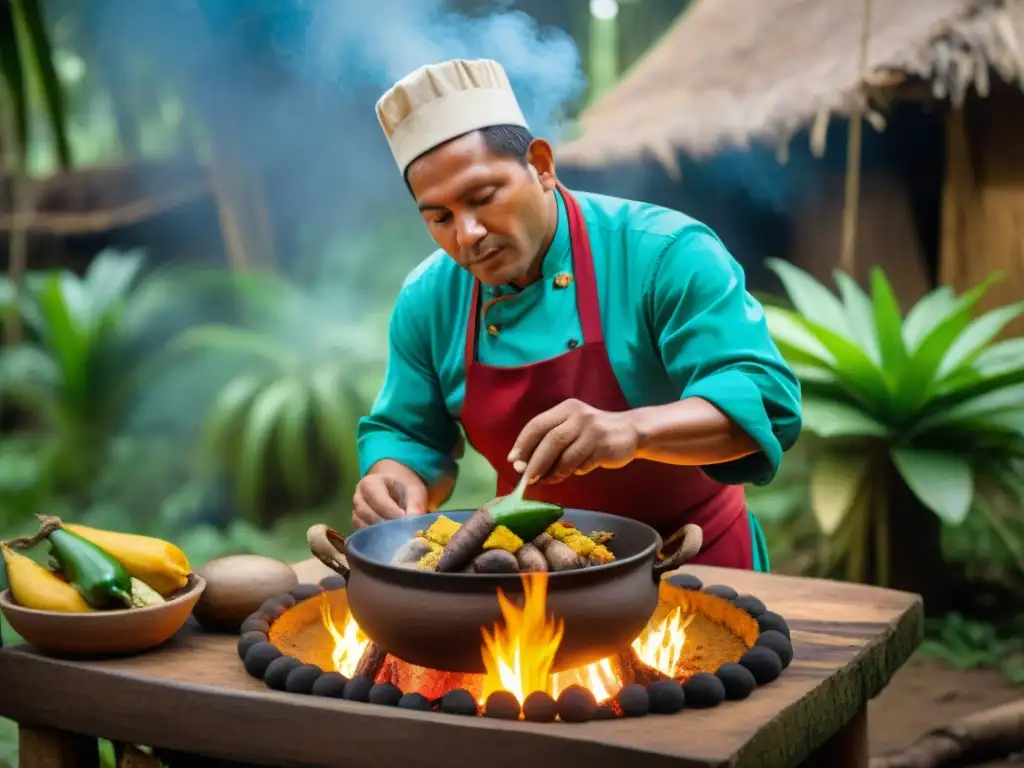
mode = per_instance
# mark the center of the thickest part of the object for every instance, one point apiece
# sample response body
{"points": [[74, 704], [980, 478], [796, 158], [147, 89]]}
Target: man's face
{"points": [[487, 211]]}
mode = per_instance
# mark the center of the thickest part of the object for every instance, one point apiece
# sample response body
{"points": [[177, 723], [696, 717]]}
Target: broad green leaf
{"points": [[256, 451], [853, 367], [795, 341], [810, 298], [922, 318], [226, 420], [943, 482], [860, 315], [977, 335], [996, 402], [293, 440], [809, 374], [836, 479], [832, 418], [339, 409], [28, 16], [889, 324], [226, 338], [12, 71]]}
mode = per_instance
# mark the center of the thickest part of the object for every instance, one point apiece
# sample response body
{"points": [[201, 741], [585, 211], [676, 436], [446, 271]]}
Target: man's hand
{"points": [[574, 438], [388, 491]]}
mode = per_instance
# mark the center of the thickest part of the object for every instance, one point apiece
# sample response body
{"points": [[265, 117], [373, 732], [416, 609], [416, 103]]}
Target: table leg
{"points": [[848, 747], [50, 748]]}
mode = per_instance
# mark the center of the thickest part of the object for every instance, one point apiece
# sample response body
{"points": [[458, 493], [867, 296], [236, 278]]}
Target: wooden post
{"points": [[848, 747], [50, 748]]}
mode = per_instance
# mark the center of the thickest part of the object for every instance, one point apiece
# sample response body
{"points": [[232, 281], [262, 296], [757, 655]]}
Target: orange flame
{"points": [[519, 653], [518, 656], [349, 643]]}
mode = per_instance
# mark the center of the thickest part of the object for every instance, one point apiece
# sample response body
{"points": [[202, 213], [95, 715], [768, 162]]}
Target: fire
{"points": [[519, 652], [661, 646], [349, 643], [518, 657]]}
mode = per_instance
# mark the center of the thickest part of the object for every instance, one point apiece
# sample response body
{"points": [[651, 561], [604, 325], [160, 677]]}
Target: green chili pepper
{"points": [[99, 578]]}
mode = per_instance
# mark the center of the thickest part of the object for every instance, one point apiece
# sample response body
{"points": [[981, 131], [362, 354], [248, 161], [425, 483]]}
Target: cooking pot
{"points": [[434, 620]]}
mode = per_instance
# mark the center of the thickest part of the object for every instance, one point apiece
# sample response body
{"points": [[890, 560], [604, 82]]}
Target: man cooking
{"points": [[607, 348]]}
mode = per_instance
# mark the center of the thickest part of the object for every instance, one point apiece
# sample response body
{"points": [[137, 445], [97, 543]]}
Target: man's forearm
{"points": [[689, 432], [436, 492]]}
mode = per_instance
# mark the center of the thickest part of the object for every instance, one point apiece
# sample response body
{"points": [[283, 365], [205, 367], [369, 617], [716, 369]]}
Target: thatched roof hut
{"points": [[733, 72]]}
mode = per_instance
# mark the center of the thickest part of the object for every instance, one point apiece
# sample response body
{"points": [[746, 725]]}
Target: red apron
{"points": [[500, 401]]}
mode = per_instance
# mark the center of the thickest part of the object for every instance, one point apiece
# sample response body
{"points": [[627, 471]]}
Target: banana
{"points": [[35, 587], [155, 562]]}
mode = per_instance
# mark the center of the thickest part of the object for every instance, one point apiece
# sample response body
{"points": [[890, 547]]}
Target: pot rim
{"points": [[507, 581]]}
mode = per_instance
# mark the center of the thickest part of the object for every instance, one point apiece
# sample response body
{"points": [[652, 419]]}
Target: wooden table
{"points": [[193, 695]]}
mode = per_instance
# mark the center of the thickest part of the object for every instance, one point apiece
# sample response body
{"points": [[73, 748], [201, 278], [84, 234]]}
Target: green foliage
{"points": [[932, 395], [964, 643]]}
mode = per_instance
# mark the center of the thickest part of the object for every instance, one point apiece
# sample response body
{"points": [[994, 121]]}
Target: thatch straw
{"points": [[733, 72]]}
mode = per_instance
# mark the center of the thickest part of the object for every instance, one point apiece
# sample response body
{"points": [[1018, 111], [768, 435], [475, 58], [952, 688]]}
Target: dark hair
{"points": [[505, 140]]}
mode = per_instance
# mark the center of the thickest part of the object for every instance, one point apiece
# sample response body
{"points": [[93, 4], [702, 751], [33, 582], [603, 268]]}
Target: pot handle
{"points": [[693, 539], [328, 546]]}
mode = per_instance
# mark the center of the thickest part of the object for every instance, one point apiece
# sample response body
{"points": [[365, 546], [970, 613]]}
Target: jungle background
{"points": [[202, 234]]}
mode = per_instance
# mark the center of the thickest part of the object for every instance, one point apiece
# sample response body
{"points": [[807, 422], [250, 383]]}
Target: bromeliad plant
{"points": [[917, 421]]}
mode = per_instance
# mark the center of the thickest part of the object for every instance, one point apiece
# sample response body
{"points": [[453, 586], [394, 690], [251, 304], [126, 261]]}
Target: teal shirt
{"points": [[678, 322]]}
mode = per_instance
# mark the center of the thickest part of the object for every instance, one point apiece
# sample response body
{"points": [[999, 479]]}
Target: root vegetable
{"points": [[410, 553], [531, 559], [466, 542], [495, 561], [560, 556]]}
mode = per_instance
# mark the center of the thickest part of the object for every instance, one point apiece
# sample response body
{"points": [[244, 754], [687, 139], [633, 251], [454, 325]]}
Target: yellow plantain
{"points": [[32, 586], [155, 562]]}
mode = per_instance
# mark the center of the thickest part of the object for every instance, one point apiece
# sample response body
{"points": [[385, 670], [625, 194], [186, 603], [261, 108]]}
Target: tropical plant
{"points": [[283, 425], [917, 421]]}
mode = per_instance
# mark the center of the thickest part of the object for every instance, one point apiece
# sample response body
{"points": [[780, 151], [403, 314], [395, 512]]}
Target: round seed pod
{"points": [[666, 697], [502, 705], [358, 689], [751, 605], [458, 702], [302, 678], [306, 591], [721, 590], [415, 701], [633, 700], [704, 690], [738, 681], [764, 663], [779, 643], [385, 694], [330, 583], [539, 707], [685, 581], [258, 658], [576, 704], [247, 641], [255, 623], [771, 620], [330, 685], [495, 561], [278, 671]]}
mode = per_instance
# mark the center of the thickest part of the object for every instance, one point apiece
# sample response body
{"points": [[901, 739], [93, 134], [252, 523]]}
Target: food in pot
{"points": [[560, 547]]}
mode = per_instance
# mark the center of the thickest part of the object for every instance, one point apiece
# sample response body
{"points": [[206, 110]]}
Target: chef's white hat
{"points": [[438, 102]]}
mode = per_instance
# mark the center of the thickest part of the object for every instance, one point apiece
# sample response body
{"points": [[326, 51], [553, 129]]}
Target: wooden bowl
{"points": [[123, 631]]}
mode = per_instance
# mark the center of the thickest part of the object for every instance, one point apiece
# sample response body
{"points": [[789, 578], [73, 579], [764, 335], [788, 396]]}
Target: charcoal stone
{"points": [[576, 704], [306, 591], [704, 690], [502, 705], [385, 694], [358, 689], [779, 643], [721, 590], [332, 582], [739, 682], [330, 685], [278, 671], [685, 581], [458, 702], [764, 663], [302, 678], [539, 707], [771, 620], [666, 697], [415, 701], [255, 623], [247, 641], [633, 700], [750, 604], [258, 658]]}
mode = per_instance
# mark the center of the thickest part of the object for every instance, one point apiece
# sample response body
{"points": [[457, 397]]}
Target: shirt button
{"points": [[492, 329], [573, 343]]}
